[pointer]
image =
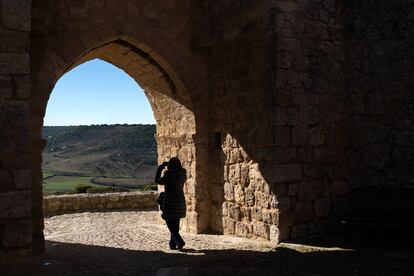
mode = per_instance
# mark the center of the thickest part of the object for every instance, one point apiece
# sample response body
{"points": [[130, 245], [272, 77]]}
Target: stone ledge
{"points": [[60, 204]]}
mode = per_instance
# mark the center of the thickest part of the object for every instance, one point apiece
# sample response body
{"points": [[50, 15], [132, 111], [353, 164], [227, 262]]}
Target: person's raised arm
{"points": [[158, 178]]}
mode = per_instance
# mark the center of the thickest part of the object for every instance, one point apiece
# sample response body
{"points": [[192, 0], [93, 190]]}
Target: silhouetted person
{"points": [[173, 206]]}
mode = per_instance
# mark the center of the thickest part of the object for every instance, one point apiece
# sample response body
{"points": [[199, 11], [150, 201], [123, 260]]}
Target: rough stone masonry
{"points": [[277, 108]]}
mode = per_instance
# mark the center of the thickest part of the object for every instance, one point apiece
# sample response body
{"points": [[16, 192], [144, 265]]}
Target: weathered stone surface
{"points": [[5, 88], [13, 63], [23, 179], [261, 230], [6, 182], [322, 207], [340, 188], [274, 235], [308, 190], [229, 226], [288, 173], [14, 41], [15, 204], [99, 202], [17, 234], [304, 211], [284, 204], [16, 14], [22, 86], [282, 136], [242, 230]]}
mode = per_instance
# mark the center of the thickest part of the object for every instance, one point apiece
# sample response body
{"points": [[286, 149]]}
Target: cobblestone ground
{"points": [[135, 243]]}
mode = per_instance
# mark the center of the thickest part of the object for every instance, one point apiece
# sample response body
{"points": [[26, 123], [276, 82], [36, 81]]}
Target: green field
{"points": [[60, 183], [47, 174], [54, 183]]}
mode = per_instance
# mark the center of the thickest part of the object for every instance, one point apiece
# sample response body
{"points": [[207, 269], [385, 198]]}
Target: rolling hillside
{"points": [[109, 150]]}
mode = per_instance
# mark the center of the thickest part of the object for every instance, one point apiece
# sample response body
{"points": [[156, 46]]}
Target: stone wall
{"points": [[281, 75], [250, 207], [61, 204], [380, 99], [307, 116], [175, 130], [16, 217]]}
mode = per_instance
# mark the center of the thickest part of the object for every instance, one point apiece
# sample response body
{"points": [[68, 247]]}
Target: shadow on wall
{"points": [[79, 259]]}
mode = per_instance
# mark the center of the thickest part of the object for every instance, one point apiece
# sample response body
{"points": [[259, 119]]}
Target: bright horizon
{"points": [[97, 93]]}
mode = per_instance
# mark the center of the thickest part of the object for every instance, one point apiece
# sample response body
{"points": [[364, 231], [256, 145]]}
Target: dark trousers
{"points": [[176, 239]]}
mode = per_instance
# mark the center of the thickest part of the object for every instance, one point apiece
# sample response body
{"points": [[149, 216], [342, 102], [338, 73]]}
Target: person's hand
{"points": [[164, 164]]}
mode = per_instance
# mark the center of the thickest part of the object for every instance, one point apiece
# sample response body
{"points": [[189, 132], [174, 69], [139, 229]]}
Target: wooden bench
{"points": [[382, 212]]}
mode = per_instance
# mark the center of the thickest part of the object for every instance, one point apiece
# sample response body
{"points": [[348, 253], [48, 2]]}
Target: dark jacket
{"points": [[173, 206]]}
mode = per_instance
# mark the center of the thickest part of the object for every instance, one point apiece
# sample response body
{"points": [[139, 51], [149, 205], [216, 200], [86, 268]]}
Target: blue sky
{"points": [[97, 92]]}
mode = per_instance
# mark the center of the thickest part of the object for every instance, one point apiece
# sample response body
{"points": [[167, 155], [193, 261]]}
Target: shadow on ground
{"points": [[289, 259]]}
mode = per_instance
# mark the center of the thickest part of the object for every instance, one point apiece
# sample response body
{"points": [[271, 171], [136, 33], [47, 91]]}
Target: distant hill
{"points": [[109, 150]]}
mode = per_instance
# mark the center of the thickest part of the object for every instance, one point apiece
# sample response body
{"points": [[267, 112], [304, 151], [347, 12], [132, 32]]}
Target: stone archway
{"points": [[174, 90], [176, 123]]}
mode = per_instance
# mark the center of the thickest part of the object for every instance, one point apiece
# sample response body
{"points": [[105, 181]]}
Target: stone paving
{"points": [[136, 243]]}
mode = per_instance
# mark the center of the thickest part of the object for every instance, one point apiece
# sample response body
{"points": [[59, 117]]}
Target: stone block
{"points": [[261, 230], [316, 136], [15, 204], [282, 189], [228, 191], [249, 197], [313, 171], [17, 14], [22, 86], [257, 213], [244, 174], [274, 235], [286, 155], [293, 189], [282, 136], [274, 216], [239, 194], [5, 88], [13, 116], [308, 190], [235, 212], [279, 116], [304, 211], [14, 41], [311, 115], [23, 179], [322, 207], [305, 154], [262, 199], [299, 136], [14, 63], [246, 213], [6, 182], [284, 233], [288, 173], [286, 218], [267, 216], [241, 229], [273, 202], [284, 204], [340, 188], [325, 154], [229, 226]]}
